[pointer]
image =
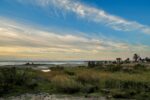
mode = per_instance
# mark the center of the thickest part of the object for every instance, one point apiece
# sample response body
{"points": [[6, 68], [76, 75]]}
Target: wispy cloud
{"points": [[20, 41], [17, 34], [93, 14]]}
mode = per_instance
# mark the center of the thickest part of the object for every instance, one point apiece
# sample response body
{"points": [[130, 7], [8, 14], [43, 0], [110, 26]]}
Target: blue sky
{"points": [[74, 29]]}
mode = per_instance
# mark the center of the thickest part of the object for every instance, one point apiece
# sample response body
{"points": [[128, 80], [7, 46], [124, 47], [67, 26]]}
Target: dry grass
{"points": [[64, 83], [91, 80], [88, 76]]}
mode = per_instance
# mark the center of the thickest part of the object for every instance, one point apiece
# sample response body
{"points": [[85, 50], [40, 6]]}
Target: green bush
{"points": [[57, 68], [113, 68], [139, 67], [120, 94], [65, 84], [89, 88], [12, 78], [88, 77], [69, 72], [143, 96], [127, 85]]}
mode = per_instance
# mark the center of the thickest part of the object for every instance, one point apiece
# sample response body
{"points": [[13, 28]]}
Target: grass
{"points": [[65, 84], [111, 81]]}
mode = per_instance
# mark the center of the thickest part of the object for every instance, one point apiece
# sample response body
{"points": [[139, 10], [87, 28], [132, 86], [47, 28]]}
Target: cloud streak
{"points": [[20, 41], [15, 34], [93, 14]]}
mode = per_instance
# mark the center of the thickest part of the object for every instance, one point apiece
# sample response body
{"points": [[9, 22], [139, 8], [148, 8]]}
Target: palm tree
{"points": [[118, 60]]}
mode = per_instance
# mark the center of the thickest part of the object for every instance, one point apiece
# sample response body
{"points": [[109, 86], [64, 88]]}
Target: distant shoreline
{"points": [[7, 63]]}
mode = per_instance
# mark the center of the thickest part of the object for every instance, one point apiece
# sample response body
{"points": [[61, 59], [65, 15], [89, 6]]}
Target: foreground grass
{"points": [[97, 81]]}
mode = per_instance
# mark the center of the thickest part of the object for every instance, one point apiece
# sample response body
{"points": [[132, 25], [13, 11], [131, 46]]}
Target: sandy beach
{"points": [[45, 96]]}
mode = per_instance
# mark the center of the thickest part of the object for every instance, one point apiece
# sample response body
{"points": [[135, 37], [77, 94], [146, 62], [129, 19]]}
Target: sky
{"points": [[74, 29]]}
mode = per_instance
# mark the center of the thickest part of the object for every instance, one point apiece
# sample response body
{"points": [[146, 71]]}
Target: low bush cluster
{"points": [[12, 79], [65, 84], [88, 76]]}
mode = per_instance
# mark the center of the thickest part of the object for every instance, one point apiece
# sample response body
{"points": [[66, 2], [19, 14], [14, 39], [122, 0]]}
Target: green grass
{"points": [[111, 81]]}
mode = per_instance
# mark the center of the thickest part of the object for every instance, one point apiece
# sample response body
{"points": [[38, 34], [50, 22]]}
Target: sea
{"points": [[3, 63]]}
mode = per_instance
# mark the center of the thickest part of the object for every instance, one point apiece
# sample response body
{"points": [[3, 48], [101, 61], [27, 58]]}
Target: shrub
{"points": [[111, 83], [88, 76], [57, 68], [120, 94], [13, 77], [126, 84], [139, 67], [143, 96], [69, 72], [113, 68], [65, 84], [89, 88]]}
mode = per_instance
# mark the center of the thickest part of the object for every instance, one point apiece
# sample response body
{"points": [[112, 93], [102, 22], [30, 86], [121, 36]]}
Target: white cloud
{"points": [[21, 41], [94, 14], [15, 34]]}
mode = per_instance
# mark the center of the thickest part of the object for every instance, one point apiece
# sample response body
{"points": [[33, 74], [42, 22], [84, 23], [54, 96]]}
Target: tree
{"points": [[147, 59], [136, 57], [91, 63], [127, 60], [118, 60]]}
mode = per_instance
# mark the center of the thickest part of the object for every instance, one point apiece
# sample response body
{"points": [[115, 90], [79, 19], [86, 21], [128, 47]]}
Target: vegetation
{"points": [[110, 81], [14, 80], [115, 81]]}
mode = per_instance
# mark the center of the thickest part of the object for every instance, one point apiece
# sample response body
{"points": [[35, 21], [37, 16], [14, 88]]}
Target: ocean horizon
{"points": [[4, 63]]}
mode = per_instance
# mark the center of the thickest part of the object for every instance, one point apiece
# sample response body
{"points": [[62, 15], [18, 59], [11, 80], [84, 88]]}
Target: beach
{"points": [[45, 96]]}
